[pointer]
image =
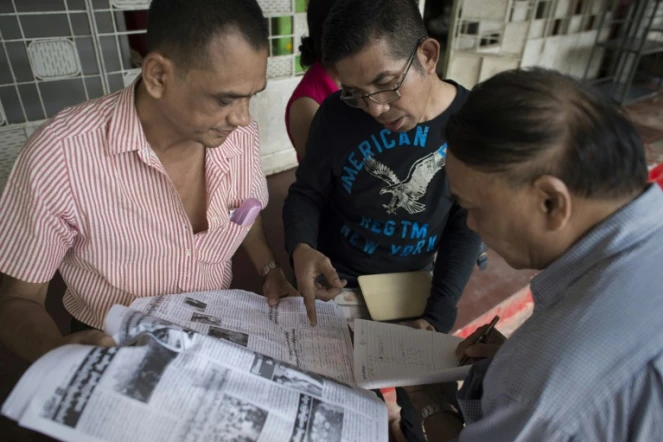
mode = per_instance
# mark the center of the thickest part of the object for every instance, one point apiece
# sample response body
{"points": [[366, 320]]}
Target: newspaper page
{"points": [[390, 355], [282, 333], [178, 385]]}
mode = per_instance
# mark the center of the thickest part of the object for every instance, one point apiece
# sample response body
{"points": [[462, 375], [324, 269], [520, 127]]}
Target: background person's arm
{"points": [[27, 329], [456, 257], [302, 111]]}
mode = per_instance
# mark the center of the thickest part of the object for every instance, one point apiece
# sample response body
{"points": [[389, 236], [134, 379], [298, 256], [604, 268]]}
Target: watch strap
{"points": [[268, 268], [432, 409]]}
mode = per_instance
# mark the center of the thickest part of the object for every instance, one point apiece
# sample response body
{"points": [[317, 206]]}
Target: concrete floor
{"points": [[484, 291], [647, 116]]}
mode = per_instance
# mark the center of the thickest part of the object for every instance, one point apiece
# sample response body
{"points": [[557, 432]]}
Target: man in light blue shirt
{"points": [[553, 177]]}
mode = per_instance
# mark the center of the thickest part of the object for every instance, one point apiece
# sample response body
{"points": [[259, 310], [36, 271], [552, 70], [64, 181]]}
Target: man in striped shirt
{"points": [[131, 195]]}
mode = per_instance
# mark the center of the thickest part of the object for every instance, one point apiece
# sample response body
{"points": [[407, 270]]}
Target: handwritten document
{"points": [[390, 355]]}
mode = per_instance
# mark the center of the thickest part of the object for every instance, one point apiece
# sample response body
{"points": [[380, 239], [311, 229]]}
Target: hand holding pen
{"points": [[483, 343]]}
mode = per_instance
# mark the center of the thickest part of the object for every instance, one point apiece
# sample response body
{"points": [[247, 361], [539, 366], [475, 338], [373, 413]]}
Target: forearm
{"points": [[456, 258], [450, 277], [308, 195], [256, 246], [441, 314], [301, 217], [26, 328]]}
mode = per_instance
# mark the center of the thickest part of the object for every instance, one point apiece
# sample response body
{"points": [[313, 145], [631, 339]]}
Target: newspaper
{"points": [[282, 333], [168, 383]]}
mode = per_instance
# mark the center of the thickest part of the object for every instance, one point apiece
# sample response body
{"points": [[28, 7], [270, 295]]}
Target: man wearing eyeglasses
{"points": [[371, 194]]}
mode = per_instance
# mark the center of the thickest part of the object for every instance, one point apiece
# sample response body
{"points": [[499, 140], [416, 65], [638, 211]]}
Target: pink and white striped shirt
{"points": [[88, 195]]}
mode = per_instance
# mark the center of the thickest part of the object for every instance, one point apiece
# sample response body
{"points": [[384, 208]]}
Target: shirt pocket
{"points": [[221, 244]]}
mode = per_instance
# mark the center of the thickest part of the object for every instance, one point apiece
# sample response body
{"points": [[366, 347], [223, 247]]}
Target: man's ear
{"points": [[156, 70], [333, 73], [554, 201], [429, 54]]}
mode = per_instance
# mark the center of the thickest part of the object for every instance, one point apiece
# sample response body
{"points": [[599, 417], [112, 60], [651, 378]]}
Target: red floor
{"points": [[648, 118]]}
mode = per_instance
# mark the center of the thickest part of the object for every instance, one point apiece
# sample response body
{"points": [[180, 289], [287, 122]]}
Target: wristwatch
{"points": [[268, 268], [432, 409]]}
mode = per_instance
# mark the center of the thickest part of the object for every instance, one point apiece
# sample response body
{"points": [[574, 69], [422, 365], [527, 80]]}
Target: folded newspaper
{"points": [[218, 366]]}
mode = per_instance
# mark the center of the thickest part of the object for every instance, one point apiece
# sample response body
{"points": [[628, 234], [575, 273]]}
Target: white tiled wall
{"points": [[557, 34], [268, 109]]}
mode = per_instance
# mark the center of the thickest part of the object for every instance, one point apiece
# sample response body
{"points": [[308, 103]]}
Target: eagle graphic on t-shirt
{"points": [[407, 193]]}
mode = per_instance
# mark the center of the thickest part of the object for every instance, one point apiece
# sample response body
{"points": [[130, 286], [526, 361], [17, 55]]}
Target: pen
{"points": [[482, 337]]}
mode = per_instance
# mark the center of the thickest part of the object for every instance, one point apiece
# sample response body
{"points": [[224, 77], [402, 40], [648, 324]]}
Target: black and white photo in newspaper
{"points": [[317, 421], [235, 337], [139, 380], [69, 402], [289, 376]]}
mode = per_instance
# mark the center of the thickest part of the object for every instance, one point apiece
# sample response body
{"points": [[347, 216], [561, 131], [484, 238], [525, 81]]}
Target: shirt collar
{"points": [[631, 224], [231, 148], [125, 132]]}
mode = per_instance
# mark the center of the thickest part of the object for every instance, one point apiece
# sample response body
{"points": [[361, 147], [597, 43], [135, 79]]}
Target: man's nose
{"points": [[239, 115], [375, 109]]}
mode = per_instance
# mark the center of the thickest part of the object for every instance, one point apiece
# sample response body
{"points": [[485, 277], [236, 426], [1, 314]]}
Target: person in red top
{"points": [[132, 195], [316, 85]]}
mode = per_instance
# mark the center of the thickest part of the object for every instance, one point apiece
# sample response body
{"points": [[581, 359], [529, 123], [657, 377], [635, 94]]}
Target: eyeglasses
{"points": [[385, 96]]}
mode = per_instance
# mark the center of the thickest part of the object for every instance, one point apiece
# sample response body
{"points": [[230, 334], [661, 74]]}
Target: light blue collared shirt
{"points": [[588, 364]]}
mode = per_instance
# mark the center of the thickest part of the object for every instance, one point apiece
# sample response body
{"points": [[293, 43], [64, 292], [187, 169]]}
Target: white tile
{"points": [[54, 58]]}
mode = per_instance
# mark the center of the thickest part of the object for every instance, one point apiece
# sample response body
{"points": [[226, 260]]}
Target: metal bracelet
{"points": [[268, 268]]}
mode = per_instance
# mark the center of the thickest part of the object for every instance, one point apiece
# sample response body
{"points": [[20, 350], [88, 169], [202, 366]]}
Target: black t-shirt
{"points": [[372, 200]]}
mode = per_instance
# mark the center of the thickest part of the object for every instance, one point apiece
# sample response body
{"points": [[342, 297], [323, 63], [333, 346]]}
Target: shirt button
{"points": [[188, 252]]}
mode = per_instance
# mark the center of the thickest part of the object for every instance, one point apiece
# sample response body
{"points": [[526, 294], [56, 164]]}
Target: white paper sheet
{"points": [[390, 355]]}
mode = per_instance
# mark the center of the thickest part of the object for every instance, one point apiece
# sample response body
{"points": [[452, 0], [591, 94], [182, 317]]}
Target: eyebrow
{"points": [[237, 95], [381, 76]]}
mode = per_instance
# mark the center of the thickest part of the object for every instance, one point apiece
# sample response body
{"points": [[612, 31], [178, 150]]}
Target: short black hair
{"points": [[311, 47], [353, 24], [183, 29], [533, 122]]}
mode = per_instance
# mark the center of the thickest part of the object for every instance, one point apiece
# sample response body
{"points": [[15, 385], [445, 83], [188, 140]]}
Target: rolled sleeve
{"points": [[36, 213]]}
